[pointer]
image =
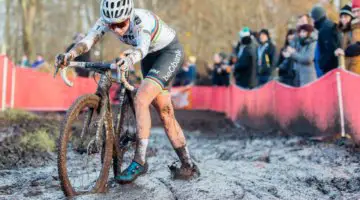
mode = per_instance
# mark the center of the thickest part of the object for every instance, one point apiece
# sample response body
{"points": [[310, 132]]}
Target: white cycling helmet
{"points": [[116, 11]]}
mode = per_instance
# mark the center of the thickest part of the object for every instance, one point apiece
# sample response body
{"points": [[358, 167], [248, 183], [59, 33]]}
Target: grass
{"points": [[40, 140], [36, 133], [15, 116]]}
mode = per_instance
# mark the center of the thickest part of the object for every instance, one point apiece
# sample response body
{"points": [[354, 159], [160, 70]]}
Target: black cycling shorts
{"points": [[162, 66]]}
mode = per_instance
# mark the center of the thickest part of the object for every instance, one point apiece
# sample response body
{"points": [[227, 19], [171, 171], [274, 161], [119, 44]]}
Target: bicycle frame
{"points": [[102, 91]]}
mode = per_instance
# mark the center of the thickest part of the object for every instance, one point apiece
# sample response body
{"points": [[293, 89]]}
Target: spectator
{"points": [[221, 72], [245, 66], [266, 54], [187, 74], [232, 60], [303, 19], [192, 73], [353, 51], [38, 62], [82, 58], [25, 62], [328, 39], [303, 57], [286, 67], [344, 26]]}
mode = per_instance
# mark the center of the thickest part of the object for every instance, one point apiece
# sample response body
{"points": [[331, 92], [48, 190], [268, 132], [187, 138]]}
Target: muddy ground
{"points": [[234, 164]]}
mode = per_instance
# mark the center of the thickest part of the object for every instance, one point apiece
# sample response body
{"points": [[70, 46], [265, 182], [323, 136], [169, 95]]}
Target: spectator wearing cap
{"points": [[303, 57], [266, 55], [328, 39], [286, 68], [352, 53], [344, 27], [245, 66], [356, 8]]}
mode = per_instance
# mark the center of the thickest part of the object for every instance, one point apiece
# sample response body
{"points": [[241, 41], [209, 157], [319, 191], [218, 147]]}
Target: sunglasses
{"points": [[118, 25]]}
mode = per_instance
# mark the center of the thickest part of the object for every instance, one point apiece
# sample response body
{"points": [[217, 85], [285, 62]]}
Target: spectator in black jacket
{"points": [[286, 66], [221, 73], [266, 57], [245, 67], [328, 39]]}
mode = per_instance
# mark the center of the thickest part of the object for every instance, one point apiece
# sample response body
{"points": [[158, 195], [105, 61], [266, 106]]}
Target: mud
{"points": [[16, 152], [235, 164]]}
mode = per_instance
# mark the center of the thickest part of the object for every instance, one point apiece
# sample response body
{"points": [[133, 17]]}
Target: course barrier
{"points": [[325, 107]]}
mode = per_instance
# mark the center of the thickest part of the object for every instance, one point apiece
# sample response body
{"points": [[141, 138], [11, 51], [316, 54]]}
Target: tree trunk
{"points": [[7, 27], [28, 15], [79, 17]]}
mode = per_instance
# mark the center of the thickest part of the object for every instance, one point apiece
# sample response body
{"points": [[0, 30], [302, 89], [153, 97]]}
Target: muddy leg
{"points": [[145, 95], [172, 128]]}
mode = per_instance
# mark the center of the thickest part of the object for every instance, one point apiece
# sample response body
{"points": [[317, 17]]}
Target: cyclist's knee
{"points": [[166, 113]]}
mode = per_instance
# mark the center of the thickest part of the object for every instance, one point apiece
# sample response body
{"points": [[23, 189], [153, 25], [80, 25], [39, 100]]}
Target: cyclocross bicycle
{"points": [[90, 138]]}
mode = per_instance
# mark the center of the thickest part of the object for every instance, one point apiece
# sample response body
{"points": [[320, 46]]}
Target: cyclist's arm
{"points": [[95, 34], [142, 47]]}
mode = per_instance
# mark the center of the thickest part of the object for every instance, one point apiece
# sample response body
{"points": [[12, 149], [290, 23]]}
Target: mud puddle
{"points": [[231, 168]]}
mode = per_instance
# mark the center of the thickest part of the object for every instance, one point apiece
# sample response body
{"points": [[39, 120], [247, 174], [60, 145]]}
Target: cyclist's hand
{"points": [[124, 63], [62, 60]]}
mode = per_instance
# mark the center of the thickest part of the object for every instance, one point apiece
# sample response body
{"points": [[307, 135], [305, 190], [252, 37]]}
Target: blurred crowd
{"points": [[315, 47], [26, 63], [41, 65]]}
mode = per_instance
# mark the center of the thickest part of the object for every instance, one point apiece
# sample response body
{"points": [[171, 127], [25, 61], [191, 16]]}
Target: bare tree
{"points": [[28, 8], [7, 26], [203, 26]]}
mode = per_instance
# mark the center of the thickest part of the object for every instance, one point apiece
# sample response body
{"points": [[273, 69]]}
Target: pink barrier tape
{"points": [[314, 109]]}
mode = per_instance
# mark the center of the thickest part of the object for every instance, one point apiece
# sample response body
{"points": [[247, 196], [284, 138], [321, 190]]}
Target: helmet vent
{"points": [[105, 13], [121, 12], [116, 10]]}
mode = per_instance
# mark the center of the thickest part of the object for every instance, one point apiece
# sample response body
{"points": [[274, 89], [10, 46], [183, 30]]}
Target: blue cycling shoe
{"points": [[131, 173]]}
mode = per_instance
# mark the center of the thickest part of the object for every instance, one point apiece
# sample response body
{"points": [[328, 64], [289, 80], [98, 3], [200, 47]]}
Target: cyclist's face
{"points": [[120, 28]]}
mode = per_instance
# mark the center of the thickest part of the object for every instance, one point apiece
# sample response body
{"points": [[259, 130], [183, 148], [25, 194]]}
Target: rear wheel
{"points": [[85, 147], [124, 147]]}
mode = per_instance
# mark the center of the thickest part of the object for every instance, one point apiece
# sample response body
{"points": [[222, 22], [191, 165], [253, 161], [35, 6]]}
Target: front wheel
{"points": [[125, 137], [84, 155]]}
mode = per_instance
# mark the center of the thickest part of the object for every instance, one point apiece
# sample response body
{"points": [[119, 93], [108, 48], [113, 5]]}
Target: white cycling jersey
{"points": [[147, 34]]}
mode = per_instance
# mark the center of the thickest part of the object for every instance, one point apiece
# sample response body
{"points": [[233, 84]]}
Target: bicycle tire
{"points": [[91, 101], [127, 110]]}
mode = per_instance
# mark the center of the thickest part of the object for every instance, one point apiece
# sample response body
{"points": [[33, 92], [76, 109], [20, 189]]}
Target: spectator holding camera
{"points": [[286, 66], [303, 56]]}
